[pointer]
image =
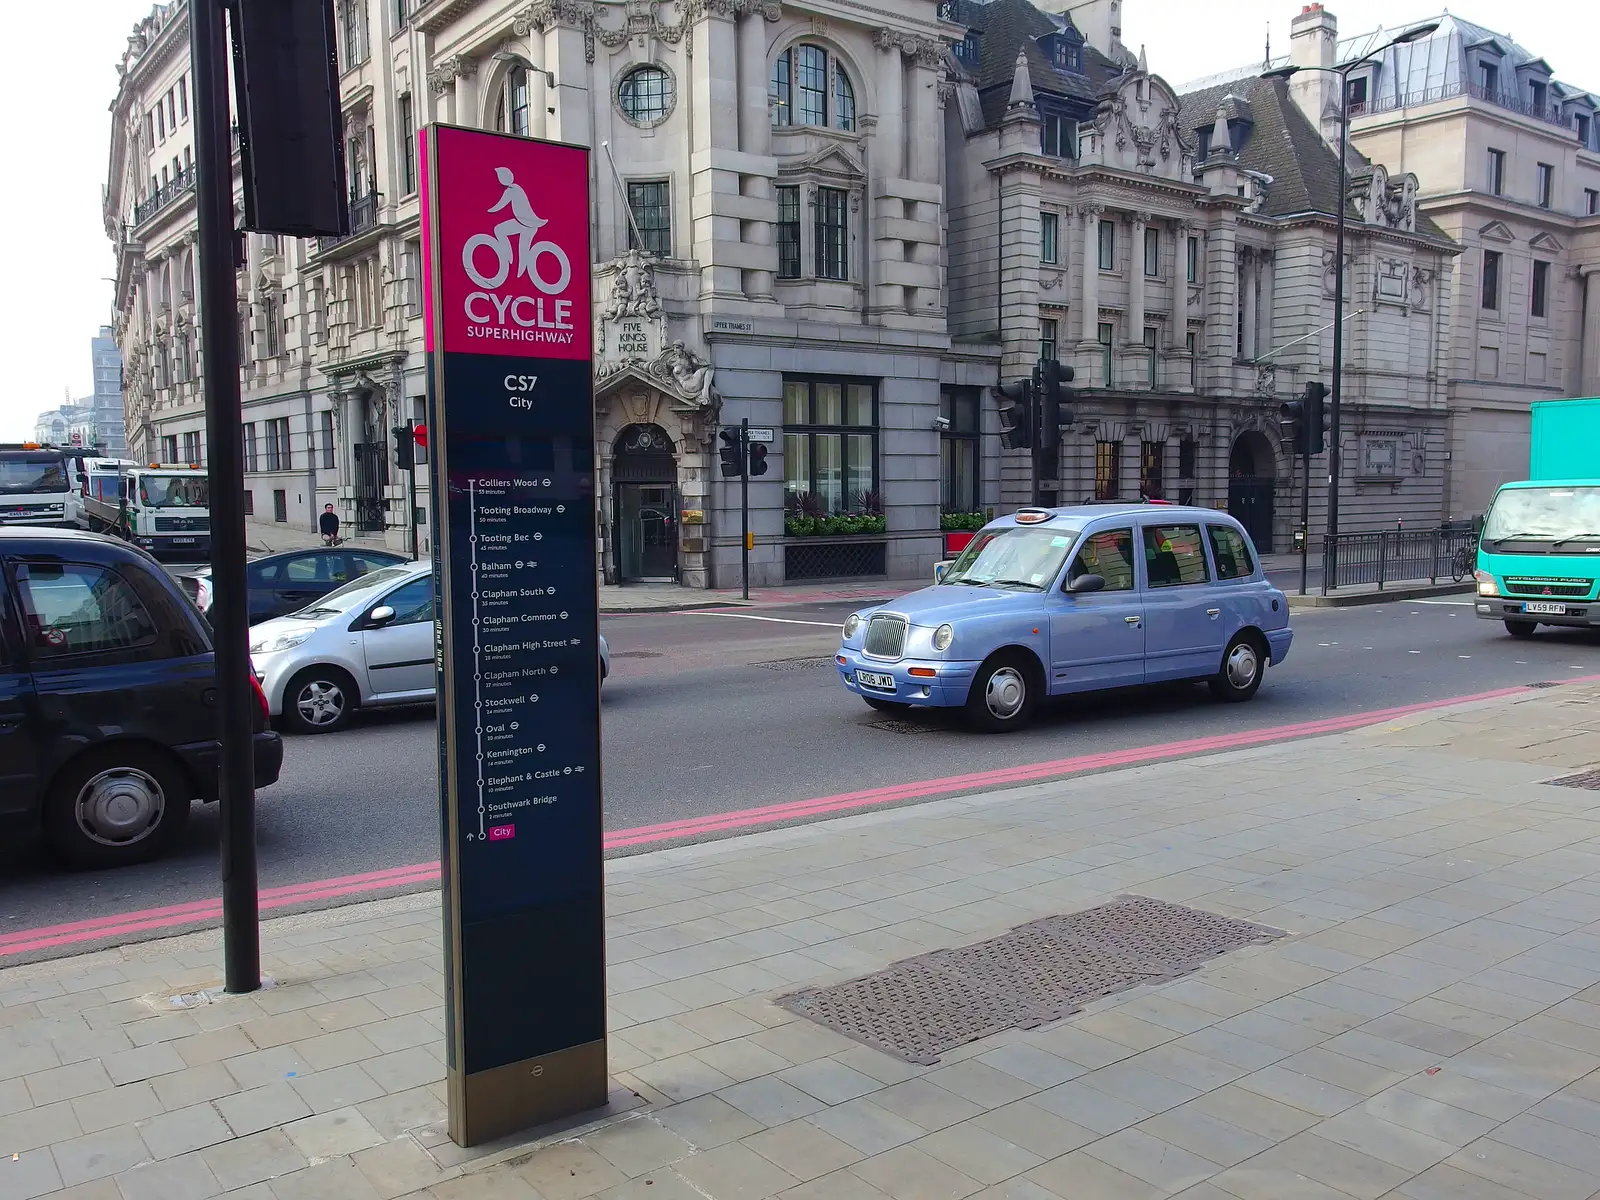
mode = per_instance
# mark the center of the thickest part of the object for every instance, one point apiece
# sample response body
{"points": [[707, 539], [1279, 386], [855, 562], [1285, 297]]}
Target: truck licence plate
{"points": [[183, 541], [1542, 606], [884, 683]]}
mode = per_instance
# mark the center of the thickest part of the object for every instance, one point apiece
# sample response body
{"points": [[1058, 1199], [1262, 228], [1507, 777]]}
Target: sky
{"points": [[55, 259]]}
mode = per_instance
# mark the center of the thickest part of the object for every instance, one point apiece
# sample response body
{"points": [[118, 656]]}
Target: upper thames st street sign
{"points": [[511, 417]]}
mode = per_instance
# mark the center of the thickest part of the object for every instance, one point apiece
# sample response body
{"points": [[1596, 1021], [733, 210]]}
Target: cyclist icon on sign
{"points": [[513, 241]]}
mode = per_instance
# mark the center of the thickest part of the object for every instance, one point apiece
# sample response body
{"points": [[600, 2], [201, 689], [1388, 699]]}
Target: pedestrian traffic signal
{"points": [[730, 455], [405, 452], [1015, 402], [1316, 417], [758, 459], [1054, 408]]}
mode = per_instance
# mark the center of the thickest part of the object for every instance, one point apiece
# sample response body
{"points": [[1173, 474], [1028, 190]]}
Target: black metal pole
{"points": [[744, 505], [1330, 563], [1305, 518], [219, 341], [411, 488]]}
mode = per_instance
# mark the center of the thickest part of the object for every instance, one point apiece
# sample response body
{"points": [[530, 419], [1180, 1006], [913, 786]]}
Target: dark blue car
{"points": [[108, 699]]}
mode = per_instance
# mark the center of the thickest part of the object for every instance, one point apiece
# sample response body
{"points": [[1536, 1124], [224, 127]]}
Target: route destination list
{"points": [[511, 416]]}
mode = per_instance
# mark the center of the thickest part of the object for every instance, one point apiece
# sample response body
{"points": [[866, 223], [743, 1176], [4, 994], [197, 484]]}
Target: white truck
{"points": [[164, 507], [33, 484]]}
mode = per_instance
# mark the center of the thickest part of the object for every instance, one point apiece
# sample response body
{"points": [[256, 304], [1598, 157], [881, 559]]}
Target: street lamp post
{"points": [[1330, 544]]}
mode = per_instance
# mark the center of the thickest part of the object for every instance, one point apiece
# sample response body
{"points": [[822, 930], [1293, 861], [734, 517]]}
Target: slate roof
{"points": [[1004, 25], [1284, 145]]}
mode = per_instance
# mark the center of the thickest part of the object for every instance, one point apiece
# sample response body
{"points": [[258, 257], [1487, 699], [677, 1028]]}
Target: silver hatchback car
{"points": [[368, 644]]}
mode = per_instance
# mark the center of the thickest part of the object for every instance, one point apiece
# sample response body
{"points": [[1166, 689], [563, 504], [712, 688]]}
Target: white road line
{"points": [[753, 617]]}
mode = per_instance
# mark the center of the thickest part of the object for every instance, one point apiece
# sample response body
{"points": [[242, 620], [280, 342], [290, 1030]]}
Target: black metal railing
{"points": [[1387, 556], [363, 216], [1510, 101], [168, 192]]}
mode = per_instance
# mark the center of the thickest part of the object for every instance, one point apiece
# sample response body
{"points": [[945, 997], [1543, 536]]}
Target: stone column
{"points": [[538, 101], [755, 138], [466, 70], [713, 91], [1178, 334], [926, 123], [888, 143], [1136, 279], [1089, 292], [1251, 289], [1589, 368]]}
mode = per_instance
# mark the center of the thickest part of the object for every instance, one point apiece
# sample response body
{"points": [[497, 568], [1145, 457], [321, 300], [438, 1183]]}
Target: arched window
{"points": [[798, 90], [645, 95], [511, 109], [844, 100]]}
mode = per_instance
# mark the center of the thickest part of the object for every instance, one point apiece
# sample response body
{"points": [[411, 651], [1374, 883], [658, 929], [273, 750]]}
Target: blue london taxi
{"points": [[1051, 601]]}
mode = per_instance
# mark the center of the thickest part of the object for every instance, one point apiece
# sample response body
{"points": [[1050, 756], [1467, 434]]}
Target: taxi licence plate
{"points": [[1540, 606], [884, 683]]}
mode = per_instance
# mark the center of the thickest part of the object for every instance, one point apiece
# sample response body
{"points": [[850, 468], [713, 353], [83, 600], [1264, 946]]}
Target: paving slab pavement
{"points": [[1430, 1027]]}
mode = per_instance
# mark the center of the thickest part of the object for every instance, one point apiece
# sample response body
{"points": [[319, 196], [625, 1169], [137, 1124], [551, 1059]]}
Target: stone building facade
{"points": [[842, 223], [1507, 163], [1177, 251]]}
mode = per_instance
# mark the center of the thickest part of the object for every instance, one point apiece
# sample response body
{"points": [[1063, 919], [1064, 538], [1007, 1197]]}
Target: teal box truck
{"points": [[1539, 555]]}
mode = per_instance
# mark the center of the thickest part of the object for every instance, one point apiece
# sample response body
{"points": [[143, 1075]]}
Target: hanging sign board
{"points": [[511, 422]]}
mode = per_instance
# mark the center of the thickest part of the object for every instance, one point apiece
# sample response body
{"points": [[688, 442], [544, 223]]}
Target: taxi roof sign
{"points": [[1033, 516]]}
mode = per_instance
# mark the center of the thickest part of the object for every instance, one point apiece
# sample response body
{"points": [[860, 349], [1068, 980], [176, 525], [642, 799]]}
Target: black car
{"points": [[108, 699], [284, 583]]}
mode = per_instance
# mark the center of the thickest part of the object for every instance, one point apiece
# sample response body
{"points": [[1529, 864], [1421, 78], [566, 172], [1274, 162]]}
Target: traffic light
{"points": [[732, 459], [1292, 416], [1054, 408], [758, 459], [419, 434], [1015, 402], [1316, 417], [405, 453]]}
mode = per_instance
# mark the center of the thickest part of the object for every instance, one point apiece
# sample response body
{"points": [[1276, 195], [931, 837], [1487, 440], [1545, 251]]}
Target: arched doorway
{"points": [[644, 483], [1252, 468]]}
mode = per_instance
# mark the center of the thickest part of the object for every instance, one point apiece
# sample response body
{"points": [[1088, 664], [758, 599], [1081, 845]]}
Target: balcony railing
{"points": [[363, 216], [1550, 114], [163, 196]]}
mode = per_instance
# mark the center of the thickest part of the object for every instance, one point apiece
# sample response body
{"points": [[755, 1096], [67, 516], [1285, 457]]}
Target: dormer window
{"points": [[1488, 80], [799, 91], [1058, 135], [1203, 151], [1538, 96], [1580, 122], [967, 49], [1066, 54]]}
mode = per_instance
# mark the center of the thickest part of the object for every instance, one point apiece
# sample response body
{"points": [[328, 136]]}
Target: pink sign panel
{"points": [[513, 257]]}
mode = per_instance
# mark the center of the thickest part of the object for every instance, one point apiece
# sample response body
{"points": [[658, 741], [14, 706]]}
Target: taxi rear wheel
{"points": [[1244, 662], [1004, 694]]}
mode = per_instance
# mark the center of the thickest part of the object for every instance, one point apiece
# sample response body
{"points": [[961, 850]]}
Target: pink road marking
{"points": [[208, 911]]}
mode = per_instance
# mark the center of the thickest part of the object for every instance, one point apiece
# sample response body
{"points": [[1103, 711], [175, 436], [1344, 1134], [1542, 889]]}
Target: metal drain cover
{"points": [[1589, 780], [794, 664], [924, 1007], [1544, 683], [901, 725]]}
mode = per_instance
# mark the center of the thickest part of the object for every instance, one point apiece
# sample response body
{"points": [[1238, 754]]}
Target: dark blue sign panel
{"points": [[511, 423]]}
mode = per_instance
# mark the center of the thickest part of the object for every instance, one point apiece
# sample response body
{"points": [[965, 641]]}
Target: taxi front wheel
{"points": [[1004, 694]]}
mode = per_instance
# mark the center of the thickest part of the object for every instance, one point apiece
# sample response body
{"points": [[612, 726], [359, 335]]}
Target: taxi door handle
{"points": [[1133, 620], [1213, 612]]}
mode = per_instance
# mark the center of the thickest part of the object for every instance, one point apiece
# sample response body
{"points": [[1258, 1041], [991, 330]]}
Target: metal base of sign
{"points": [[491, 1104]]}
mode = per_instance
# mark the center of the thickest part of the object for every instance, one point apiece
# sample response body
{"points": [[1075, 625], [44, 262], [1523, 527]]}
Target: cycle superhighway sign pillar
{"points": [[511, 421]]}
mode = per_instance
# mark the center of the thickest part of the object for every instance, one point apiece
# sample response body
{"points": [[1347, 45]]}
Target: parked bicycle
{"points": [[1461, 564]]}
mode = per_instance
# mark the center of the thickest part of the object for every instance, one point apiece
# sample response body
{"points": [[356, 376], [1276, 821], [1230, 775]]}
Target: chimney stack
{"points": [[1314, 42]]}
